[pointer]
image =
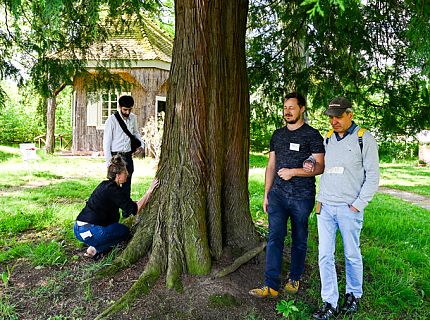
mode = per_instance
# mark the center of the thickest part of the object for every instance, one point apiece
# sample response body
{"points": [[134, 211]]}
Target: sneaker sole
{"points": [[263, 297]]}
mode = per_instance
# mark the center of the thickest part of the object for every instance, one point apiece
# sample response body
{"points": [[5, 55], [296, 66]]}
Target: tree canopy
{"points": [[33, 33], [374, 52]]}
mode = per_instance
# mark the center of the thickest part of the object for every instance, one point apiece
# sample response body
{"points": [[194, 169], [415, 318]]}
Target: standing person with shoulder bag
{"points": [[121, 137]]}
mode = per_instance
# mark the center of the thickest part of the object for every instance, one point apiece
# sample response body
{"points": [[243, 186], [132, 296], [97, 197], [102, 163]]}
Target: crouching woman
{"points": [[98, 223]]}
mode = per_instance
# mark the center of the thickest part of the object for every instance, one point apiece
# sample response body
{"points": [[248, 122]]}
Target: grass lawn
{"points": [[407, 177], [40, 200]]}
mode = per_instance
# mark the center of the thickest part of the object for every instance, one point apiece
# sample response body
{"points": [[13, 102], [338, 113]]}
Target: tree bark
{"points": [[50, 124], [202, 202]]}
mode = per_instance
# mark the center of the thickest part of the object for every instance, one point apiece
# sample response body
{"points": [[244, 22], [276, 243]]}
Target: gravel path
{"points": [[417, 199]]}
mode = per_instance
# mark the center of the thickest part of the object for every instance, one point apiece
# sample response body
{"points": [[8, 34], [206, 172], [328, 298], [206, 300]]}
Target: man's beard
{"points": [[124, 115], [293, 120]]}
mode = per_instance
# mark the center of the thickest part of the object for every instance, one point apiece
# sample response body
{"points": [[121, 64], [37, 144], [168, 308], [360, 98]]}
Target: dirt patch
{"points": [[70, 291]]}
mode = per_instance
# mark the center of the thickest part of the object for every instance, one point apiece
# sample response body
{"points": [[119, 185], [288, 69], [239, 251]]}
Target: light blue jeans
{"points": [[349, 223]]}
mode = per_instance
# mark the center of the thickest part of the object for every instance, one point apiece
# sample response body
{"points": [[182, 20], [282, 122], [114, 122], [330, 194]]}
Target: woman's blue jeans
{"points": [[102, 238], [280, 209]]}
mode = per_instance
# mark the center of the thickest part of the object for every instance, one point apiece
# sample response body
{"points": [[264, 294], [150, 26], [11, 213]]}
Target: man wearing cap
{"points": [[289, 193], [116, 141], [349, 181]]}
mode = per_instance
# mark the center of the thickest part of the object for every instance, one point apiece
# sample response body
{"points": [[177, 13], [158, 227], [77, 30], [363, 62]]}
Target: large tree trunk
{"points": [[50, 124], [202, 203]]}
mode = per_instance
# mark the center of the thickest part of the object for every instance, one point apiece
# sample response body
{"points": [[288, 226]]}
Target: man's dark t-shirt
{"points": [[291, 149]]}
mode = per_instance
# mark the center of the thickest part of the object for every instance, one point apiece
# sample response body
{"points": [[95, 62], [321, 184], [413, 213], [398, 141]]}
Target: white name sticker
{"points": [[86, 234], [335, 170], [294, 146]]}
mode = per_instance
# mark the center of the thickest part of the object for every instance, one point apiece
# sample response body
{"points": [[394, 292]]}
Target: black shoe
{"points": [[350, 305], [326, 312]]}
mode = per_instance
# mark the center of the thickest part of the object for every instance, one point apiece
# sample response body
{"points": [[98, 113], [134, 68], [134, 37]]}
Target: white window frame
{"points": [[95, 107], [158, 98]]}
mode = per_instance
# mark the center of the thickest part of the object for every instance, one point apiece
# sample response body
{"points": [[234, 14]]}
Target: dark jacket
{"points": [[103, 206]]}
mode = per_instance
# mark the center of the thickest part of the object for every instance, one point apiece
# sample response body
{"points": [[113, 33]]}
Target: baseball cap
{"points": [[337, 106]]}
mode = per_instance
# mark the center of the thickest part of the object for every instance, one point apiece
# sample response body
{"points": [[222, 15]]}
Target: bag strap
{"points": [[123, 125]]}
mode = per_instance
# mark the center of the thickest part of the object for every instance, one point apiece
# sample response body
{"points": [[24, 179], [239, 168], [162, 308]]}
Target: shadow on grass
{"points": [[4, 156]]}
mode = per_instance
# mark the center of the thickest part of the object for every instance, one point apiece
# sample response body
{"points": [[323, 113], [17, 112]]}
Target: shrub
{"points": [[152, 135], [392, 151]]}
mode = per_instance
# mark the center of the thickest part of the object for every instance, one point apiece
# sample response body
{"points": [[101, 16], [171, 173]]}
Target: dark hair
{"points": [[126, 102], [117, 165], [301, 101]]}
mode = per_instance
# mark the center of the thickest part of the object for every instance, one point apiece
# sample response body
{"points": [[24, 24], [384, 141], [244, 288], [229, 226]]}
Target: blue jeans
{"points": [[280, 209], [102, 238], [350, 224]]}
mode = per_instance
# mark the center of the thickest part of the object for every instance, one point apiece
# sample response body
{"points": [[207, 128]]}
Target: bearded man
{"points": [[289, 193]]}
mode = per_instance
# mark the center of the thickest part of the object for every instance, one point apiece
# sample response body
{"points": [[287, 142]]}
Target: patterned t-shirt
{"points": [[291, 149]]}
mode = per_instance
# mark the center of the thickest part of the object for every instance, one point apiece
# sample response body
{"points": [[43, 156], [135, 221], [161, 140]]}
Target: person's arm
{"points": [[316, 169], [145, 199], [371, 172], [269, 178], [107, 140]]}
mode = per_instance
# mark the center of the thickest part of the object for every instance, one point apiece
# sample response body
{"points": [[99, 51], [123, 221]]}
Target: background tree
{"points": [[21, 118], [375, 52]]}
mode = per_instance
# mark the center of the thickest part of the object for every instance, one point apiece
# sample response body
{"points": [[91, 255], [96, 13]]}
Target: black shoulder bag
{"points": [[135, 143]]}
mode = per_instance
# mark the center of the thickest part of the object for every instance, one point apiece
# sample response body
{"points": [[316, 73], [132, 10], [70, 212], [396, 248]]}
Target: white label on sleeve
{"points": [[335, 170], [86, 234], [294, 146]]}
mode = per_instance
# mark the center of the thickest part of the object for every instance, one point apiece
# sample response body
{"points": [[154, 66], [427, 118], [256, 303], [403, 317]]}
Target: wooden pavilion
{"points": [[140, 57]]}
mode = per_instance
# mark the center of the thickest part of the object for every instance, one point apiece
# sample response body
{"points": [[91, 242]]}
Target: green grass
{"points": [[258, 160], [407, 177], [7, 154], [7, 310], [396, 246], [44, 197], [48, 254]]}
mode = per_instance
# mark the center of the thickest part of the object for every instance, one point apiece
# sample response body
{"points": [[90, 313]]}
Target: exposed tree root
{"points": [[155, 266], [239, 261], [142, 286]]}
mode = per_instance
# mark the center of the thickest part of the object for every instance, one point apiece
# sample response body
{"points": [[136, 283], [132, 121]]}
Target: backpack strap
{"points": [[328, 135], [360, 134]]}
